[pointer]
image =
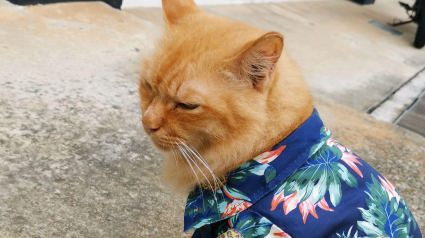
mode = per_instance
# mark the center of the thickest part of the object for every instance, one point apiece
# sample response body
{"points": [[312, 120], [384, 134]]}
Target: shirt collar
{"points": [[246, 185]]}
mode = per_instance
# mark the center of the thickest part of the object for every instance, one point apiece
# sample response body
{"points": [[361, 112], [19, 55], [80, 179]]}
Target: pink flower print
{"points": [[277, 199], [350, 159], [235, 207], [277, 232], [331, 142], [324, 205], [269, 156], [307, 207], [291, 202], [390, 189]]}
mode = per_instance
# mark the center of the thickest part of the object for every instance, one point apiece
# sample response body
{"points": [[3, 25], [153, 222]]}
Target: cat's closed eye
{"points": [[187, 106], [148, 86]]}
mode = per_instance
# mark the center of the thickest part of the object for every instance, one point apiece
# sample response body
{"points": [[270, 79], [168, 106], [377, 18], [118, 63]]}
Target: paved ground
{"points": [[414, 118], [74, 161]]}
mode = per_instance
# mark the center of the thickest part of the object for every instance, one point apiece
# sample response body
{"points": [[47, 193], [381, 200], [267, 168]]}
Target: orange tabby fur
{"points": [[207, 60]]}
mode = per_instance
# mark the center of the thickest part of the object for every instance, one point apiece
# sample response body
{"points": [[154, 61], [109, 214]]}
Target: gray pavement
{"points": [[414, 118], [74, 161]]}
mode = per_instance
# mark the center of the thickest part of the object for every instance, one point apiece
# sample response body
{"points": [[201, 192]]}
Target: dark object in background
{"points": [[113, 3], [416, 14], [420, 33], [364, 2]]}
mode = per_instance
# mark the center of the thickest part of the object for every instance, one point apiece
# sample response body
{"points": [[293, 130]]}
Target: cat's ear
{"points": [[257, 62], [175, 9]]}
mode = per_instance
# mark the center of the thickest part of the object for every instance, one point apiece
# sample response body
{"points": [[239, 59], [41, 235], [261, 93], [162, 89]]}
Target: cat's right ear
{"points": [[257, 62], [176, 9]]}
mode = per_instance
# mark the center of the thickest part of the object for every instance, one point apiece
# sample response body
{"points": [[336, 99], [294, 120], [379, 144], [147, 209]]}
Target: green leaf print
{"points": [[325, 134], [249, 225], [354, 235], [385, 216], [252, 168], [269, 173], [323, 172]]}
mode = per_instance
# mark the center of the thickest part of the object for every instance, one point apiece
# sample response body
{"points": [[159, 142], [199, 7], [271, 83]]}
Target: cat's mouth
{"points": [[165, 144], [162, 146]]}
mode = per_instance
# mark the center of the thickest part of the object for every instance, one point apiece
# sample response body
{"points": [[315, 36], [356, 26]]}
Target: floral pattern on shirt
{"points": [[243, 225], [311, 172], [387, 214], [321, 174], [226, 201]]}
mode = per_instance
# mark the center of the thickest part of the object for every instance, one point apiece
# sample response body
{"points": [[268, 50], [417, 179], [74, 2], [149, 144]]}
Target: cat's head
{"points": [[208, 81]]}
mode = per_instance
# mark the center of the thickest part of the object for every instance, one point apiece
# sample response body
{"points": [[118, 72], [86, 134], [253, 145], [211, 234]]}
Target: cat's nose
{"points": [[153, 117], [151, 123], [150, 129]]}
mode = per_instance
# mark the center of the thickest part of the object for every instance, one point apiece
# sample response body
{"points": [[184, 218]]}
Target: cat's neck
{"points": [[289, 104]]}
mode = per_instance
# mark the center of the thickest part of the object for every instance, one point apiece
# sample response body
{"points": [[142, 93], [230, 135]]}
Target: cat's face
{"points": [[207, 80], [215, 93], [184, 107]]}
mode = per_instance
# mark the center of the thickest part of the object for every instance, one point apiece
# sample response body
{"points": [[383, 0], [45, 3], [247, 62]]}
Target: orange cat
{"points": [[219, 89], [232, 114]]}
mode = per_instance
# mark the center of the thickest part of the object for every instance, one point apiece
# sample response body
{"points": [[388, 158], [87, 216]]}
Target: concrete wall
{"points": [[157, 3]]}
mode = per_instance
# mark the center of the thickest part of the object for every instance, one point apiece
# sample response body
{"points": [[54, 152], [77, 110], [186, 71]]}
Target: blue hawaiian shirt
{"points": [[308, 185]]}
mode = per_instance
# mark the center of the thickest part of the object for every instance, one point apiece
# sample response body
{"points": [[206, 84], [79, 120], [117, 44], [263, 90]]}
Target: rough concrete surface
{"points": [[74, 161]]}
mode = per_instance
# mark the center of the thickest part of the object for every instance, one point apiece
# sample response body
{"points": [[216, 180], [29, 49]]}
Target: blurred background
{"points": [[74, 160]]}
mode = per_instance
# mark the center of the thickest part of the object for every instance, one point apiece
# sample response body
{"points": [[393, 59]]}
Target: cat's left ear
{"points": [[257, 62], [174, 10]]}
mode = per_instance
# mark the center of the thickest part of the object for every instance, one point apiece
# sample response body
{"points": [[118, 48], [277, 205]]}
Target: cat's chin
{"points": [[163, 147], [177, 176]]}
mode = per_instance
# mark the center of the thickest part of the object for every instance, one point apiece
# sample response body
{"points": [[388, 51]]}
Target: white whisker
{"points": [[213, 190], [191, 158], [191, 167], [202, 160], [173, 153], [199, 157]]}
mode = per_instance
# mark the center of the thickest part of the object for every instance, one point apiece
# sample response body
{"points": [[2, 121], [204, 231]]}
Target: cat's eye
{"points": [[148, 86], [188, 106]]}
